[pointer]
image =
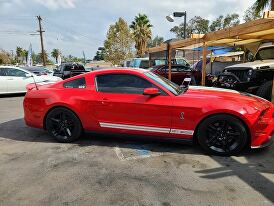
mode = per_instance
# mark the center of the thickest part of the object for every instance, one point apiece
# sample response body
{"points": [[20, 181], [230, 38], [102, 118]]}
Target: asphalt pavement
{"points": [[109, 170]]}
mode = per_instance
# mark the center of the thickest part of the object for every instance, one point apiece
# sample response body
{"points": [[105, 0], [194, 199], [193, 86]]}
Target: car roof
{"points": [[34, 68], [14, 67], [121, 69]]}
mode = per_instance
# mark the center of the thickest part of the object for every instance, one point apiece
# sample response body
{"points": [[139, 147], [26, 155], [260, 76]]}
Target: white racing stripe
{"points": [[146, 129], [179, 131], [133, 127]]}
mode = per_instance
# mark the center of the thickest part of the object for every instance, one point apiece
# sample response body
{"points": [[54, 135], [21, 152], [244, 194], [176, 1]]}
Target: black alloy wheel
{"points": [[222, 135], [63, 125]]}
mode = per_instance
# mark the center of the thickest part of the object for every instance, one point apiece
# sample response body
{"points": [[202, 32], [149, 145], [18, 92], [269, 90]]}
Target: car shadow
{"points": [[249, 166]]}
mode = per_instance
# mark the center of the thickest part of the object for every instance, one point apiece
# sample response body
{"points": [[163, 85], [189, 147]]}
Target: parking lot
{"points": [[108, 170]]}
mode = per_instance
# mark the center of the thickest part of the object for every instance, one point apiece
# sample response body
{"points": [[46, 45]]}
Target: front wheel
{"points": [[63, 125], [265, 90], [222, 135]]}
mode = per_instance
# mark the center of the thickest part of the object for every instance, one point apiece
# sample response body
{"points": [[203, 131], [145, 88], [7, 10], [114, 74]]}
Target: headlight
{"points": [[250, 72]]}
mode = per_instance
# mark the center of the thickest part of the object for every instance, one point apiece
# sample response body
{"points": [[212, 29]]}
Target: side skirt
{"points": [[144, 138]]}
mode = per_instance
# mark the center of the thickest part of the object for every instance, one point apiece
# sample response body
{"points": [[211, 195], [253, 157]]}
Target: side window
{"points": [[3, 72], [122, 83], [174, 69], [76, 83], [182, 68], [163, 69], [67, 67], [144, 64], [15, 72]]}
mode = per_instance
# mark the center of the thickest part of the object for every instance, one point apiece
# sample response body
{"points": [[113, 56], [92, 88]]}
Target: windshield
{"points": [[265, 53], [170, 86]]}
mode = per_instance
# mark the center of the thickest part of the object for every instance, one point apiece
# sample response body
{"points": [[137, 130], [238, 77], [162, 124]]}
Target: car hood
{"points": [[254, 65], [226, 97]]}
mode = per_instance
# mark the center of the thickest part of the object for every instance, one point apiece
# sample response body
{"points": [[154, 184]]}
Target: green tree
{"points": [[251, 14], [25, 54], [5, 57], [260, 5], [119, 42], [224, 22], [19, 52], [231, 20], [196, 25], [100, 54], [217, 24], [141, 29], [40, 57], [55, 53], [156, 41]]}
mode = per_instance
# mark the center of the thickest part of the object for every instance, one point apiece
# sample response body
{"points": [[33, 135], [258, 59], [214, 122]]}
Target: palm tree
{"points": [[141, 28], [25, 54], [19, 52], [260, 5], [55, 53]]}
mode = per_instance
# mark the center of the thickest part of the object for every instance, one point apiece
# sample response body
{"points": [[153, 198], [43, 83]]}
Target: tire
{"points": [[222, 134], [265, 90], [63, 125]]}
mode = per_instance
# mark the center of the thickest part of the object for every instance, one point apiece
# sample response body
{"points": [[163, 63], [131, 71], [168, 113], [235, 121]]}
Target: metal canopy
{"points": [[243, 34]]}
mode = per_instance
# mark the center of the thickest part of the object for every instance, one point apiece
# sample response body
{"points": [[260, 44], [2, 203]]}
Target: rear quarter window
{"points": [[76, 83]]}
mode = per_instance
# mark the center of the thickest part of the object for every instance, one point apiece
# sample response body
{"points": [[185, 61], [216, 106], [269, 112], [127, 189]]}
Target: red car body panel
{"points": [[164, 115]]}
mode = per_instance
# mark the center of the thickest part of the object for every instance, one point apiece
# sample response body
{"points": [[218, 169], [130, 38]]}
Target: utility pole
{"points": [[41, 39]]}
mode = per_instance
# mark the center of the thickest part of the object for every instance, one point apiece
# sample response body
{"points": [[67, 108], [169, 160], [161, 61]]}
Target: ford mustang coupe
{"points": [[139, 102]]}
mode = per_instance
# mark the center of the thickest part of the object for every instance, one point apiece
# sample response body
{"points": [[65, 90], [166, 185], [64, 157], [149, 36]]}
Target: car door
{"points": [[121, 105], [17, 80], [3, 81]]}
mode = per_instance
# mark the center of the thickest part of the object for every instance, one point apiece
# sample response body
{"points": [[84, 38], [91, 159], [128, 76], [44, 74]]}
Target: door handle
{"points": [[10, 79]]}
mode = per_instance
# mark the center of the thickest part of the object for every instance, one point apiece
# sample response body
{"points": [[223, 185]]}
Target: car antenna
{"points": [[35, 82]]}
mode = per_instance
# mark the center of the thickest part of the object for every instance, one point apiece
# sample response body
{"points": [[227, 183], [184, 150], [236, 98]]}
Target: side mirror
{"points": [[28, 75], [186, 82], [151, 91]]}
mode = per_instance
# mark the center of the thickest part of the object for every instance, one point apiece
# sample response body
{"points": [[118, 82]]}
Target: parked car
{"points": [[69, 69], [15, 79], [139, 63], [39, 70], [178, 73], [253, 77], [136, 101]]}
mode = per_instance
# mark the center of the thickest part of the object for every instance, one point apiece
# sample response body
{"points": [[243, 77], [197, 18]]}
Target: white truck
{"points": [[254, 77]]}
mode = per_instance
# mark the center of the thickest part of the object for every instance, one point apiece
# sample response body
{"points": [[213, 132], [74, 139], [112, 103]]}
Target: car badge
{"points": [[182, 116]]}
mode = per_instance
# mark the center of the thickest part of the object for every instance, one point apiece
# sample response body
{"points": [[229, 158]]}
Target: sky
{"points": [[74, 26]]}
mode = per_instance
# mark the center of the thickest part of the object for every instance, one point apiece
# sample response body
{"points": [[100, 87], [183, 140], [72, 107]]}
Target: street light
{"points": [[170, 18]]}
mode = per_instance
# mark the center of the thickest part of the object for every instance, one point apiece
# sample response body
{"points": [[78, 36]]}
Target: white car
{"points": [[15, 79]]}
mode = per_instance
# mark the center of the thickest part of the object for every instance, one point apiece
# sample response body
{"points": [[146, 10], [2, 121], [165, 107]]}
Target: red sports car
{"points": [[135, 101]]}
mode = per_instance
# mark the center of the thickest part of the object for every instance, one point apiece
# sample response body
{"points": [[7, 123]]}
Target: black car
{"points": [[39, 70], [69, 69]]}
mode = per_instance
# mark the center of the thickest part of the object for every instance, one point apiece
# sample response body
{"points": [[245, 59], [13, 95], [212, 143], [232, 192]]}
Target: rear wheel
{"points": [[265, 90], [63, 125], [222, 135]]}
